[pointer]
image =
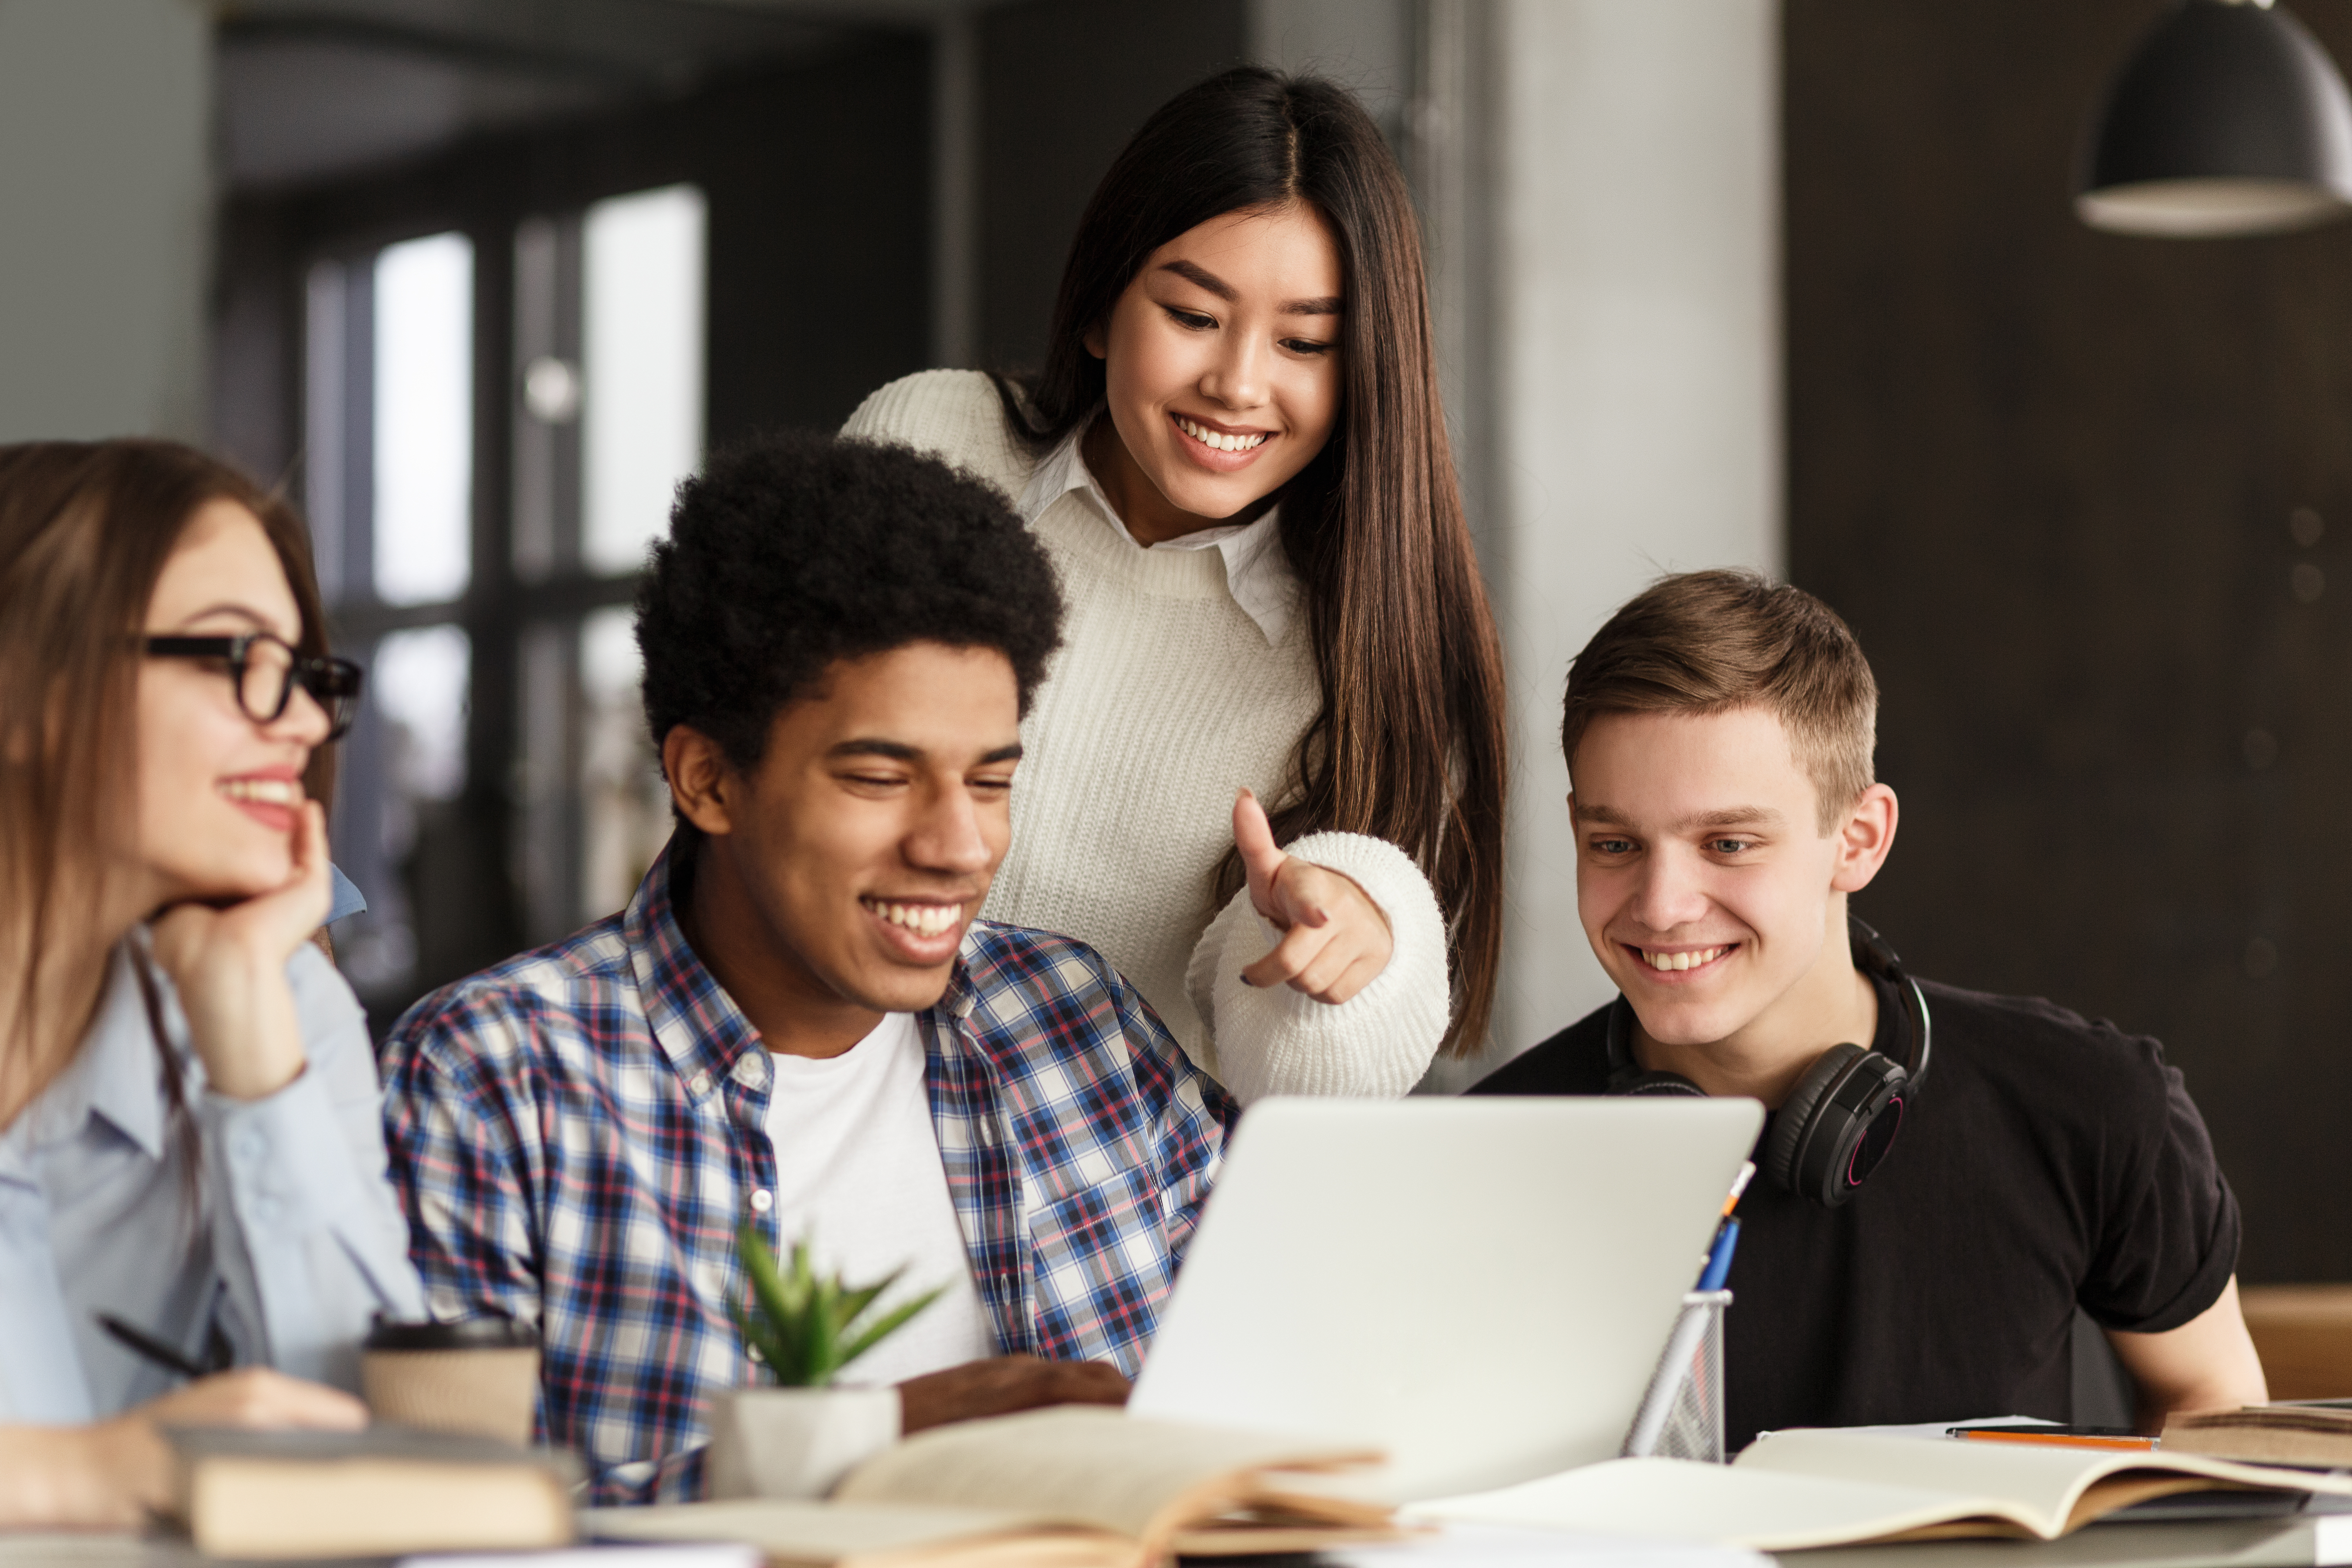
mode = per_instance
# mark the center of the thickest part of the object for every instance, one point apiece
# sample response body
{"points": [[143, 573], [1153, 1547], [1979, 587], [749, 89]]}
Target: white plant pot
{"points": [[793, 1442]]}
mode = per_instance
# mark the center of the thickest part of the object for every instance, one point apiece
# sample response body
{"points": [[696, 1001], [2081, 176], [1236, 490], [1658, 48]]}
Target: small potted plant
{"points": [[796, 1438]]}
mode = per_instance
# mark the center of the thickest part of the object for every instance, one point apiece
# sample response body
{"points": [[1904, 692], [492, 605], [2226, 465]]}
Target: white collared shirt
{"points": [[289, 1243], [1257, 572]]}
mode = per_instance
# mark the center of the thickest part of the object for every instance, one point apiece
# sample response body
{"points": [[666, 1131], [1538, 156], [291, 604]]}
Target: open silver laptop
{"points": [[1481, 1287]]}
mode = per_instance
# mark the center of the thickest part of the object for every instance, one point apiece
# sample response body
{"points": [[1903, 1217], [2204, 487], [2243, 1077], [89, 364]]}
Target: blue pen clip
{"points": [[1718, 1257]]}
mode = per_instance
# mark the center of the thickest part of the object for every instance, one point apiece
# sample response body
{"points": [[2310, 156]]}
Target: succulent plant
{"points": [[805, 1327]]}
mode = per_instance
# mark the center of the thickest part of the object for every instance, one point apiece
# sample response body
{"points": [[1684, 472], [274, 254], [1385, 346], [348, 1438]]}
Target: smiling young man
{"points": [[1719, 732], [797, 1021]]}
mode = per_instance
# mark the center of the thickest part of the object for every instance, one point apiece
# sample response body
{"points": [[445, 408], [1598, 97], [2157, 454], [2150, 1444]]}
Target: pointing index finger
{"points": [[1253, 835]]}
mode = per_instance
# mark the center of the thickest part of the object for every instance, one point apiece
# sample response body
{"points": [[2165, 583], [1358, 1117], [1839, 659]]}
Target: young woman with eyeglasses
{"points": [[1266, 777], [190, 1140]]}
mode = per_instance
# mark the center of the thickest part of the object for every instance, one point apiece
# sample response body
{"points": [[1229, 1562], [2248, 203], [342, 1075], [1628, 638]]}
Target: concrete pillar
{"points": [[105, 216], [1637, 376]]}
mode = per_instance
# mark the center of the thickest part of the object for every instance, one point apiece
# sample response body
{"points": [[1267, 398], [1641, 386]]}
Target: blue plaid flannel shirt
{"points": [[575, 1133]]}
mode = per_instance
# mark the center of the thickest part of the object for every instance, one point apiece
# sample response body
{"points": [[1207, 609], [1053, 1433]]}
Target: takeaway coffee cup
{"points": [[480, 1376]]}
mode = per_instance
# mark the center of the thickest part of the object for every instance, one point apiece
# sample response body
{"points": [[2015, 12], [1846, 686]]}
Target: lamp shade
{"points": [[2228, 119]]}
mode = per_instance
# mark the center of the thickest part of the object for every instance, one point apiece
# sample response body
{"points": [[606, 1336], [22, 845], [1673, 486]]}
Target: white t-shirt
{"points": [[858, 1174]]}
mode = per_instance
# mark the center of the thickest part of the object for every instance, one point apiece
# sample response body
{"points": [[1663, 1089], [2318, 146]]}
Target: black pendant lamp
{"points": [[2228, 119]]}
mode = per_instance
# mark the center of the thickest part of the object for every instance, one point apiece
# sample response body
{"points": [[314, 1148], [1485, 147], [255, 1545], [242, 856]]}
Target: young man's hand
{"points": [[1336, 940], [1003, 1385]]}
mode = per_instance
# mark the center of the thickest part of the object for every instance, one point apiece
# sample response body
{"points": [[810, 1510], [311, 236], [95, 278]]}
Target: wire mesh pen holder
{"points": [[1681, 1416]]}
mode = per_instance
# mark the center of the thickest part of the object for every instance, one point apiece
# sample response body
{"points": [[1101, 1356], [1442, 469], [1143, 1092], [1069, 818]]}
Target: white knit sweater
{"points": [[1166, 699]]}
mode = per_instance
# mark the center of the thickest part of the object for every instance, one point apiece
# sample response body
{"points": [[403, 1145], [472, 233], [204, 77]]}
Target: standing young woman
{"points": [[190, 1138], [1236, 455]]}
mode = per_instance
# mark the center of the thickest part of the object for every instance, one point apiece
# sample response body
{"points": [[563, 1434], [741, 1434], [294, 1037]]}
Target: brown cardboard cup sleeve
{"points": [[479, 1376]]}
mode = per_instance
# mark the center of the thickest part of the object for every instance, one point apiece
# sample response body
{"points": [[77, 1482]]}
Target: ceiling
{"points": [[311, 90]]}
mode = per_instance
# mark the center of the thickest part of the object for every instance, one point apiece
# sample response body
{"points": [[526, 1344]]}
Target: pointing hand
{"points": [[1335, 941]]}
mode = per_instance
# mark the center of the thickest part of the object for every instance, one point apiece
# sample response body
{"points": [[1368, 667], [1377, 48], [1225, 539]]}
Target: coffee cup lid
{"points": [[466, 1334]]}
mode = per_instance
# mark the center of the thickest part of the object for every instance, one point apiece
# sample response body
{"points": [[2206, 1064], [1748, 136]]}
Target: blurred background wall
{"points": [[105, 132], [1791, 285], [2085, 500]]}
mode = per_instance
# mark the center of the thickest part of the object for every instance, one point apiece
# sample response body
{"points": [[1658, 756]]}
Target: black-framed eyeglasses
{"points": [[265, 669]]}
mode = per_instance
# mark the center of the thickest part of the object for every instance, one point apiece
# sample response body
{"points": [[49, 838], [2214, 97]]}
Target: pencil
{"points": [[1739, 1186], [2054, 1439]]}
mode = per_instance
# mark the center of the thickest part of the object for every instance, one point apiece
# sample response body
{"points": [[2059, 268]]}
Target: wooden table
{"points": [[44, 1550], [2304, 1335]]}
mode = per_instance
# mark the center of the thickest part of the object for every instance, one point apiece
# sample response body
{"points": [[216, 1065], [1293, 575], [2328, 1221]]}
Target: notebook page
{"points": [[1682, 1499], [2043, 1483]]}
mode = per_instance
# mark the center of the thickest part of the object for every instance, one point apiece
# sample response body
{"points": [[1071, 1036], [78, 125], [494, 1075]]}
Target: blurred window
{"points": [[419, 687], [626, 818], [608, 357], [641, 268], [423, 418], [422, 684], [604, 363]]}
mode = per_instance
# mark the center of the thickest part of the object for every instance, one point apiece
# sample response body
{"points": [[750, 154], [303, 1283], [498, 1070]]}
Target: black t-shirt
{"points": [[2048, 1160]]}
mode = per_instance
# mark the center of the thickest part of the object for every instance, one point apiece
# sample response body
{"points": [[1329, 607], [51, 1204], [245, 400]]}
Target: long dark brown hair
{"points": [[1408, 744], [84, 530]]}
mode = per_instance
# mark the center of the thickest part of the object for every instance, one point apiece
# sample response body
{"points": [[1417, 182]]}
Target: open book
{"points": [[2317, 1432], [1790, 1491], [1073, 1487]]}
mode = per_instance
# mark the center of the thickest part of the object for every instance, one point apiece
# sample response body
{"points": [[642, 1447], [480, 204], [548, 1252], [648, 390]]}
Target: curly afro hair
{"points": [[795, 551]]}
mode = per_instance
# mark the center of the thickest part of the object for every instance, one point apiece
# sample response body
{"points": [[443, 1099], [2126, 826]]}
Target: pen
{"points": [[1716, 1264], [148, 1346], [1683, 1343], [1718, 1257]]}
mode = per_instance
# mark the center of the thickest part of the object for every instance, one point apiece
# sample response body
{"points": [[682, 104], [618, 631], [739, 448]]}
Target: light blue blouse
{"points": [[289, 1237]]}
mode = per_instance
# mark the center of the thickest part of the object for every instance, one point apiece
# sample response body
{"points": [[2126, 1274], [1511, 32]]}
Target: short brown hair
{"points": [[1708, 642]]}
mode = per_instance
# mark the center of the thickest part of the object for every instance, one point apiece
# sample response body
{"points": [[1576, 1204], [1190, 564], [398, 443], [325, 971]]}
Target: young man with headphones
{"points": [[1719, 733]]}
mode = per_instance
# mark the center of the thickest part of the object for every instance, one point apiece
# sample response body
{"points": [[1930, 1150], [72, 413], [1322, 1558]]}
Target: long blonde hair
{"points": [[84, 530]]}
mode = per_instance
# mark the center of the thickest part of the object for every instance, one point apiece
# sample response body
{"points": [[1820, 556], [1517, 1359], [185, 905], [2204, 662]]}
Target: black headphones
{"points": [[1841, 1118]]}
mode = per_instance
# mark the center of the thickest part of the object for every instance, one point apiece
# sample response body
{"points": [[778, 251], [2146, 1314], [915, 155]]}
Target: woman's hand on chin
{"points": [[229, 967], [1336, 940]]}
